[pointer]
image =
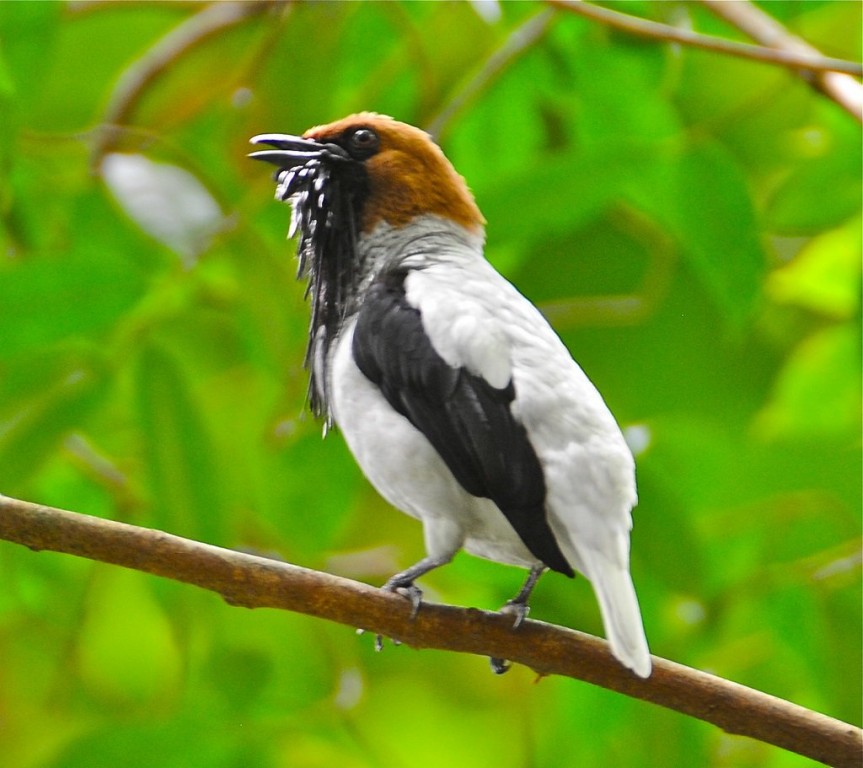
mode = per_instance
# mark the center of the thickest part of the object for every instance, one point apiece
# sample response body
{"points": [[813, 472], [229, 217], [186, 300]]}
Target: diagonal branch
{"points": [[831, 76], [256, 582], [134, 81], [782, 55], [837, 84]]}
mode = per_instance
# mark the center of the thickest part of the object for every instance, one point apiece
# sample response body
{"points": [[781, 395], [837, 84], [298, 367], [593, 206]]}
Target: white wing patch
{"points": [[463, 329]]}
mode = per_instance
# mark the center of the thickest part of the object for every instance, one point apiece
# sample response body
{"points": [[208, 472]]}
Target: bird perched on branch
{"points": [[459, 402]]}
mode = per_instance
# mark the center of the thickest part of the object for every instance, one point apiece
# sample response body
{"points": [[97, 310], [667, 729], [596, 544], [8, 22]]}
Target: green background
{"points": [[689, 222]]}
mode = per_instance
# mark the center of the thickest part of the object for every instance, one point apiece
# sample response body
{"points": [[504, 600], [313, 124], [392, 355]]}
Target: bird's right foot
{"points": [[409, 590]]}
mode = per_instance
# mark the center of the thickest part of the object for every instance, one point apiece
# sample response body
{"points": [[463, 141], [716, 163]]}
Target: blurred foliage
{"points": [[691, 224]]}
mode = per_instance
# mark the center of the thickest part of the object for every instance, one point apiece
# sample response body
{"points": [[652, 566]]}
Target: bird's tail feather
{"points": [[621, 615]]}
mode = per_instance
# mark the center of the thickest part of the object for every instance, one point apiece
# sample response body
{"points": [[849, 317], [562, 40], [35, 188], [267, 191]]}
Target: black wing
{"points": [[468, 421]]}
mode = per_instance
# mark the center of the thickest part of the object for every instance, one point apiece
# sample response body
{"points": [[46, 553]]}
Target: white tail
{"points": [[621, 615]]}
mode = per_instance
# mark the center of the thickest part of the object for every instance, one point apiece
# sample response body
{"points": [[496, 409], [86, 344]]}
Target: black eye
{"points": [[363, 143]]}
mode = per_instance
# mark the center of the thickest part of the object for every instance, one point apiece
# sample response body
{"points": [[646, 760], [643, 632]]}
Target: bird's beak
{"points": [[291, 151]]}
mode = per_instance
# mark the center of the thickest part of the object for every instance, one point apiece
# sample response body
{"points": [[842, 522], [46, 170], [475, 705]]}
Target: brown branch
{"points": [[837, 84], [133, 82], [794, 59], [256, 582], [832, 77]]}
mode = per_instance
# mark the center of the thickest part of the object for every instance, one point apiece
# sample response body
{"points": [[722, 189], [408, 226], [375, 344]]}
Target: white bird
{"points": [[458, 400]]}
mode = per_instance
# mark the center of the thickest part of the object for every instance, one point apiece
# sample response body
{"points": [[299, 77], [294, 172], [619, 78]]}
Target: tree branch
{"points": [[135, 79], [783, 56], [830, 76], [837, 85], [256, 582]]}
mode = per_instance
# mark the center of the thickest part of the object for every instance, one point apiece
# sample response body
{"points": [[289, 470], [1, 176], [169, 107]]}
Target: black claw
{"points": [[518, 609], [415, 595], [409, 590], [379, 642], [412, 593]]}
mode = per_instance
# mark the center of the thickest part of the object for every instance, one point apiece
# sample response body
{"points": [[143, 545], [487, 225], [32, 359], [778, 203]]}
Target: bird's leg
{"points": [[519, 608], [403, 584]]}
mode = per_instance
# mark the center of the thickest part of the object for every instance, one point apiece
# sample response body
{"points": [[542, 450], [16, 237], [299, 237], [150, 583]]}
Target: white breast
{"points": [[476, 318], [407, 471]]}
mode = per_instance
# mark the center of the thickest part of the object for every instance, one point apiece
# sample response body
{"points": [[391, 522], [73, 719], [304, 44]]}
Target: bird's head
{"points": [[345, 179], [386, 170]]}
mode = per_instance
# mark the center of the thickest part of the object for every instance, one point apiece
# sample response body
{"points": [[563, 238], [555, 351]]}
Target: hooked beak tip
{"points": [[288, 151]]}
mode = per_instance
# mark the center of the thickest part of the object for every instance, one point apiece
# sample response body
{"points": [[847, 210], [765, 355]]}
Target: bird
{"points": [[458, 400]]}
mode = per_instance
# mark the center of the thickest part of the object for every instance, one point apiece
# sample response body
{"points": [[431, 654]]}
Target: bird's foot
{"points": [[519, 610], [379, 642], [409, 590]]}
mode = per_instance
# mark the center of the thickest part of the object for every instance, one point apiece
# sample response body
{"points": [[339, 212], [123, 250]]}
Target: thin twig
{"points": [[214, 18], [256, 582], [794, 59], [837, 85], [517, 42]]}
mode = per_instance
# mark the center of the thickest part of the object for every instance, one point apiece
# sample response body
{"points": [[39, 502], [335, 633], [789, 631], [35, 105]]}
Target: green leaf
{"points": [[308, 489], [180, 460], [28, 33], [76, 80], [798, 207], [78, 290], [703, 199], [818, 392], [559, 193], [127, 652], [619, 92], [185, 741], [34, 420], [825, 276]]}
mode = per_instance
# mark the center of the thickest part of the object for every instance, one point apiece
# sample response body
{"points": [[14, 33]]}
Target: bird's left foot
{"points": [[518, 608]]}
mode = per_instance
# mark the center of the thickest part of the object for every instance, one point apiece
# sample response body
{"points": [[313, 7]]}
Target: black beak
{"points": [[291, 151]]}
